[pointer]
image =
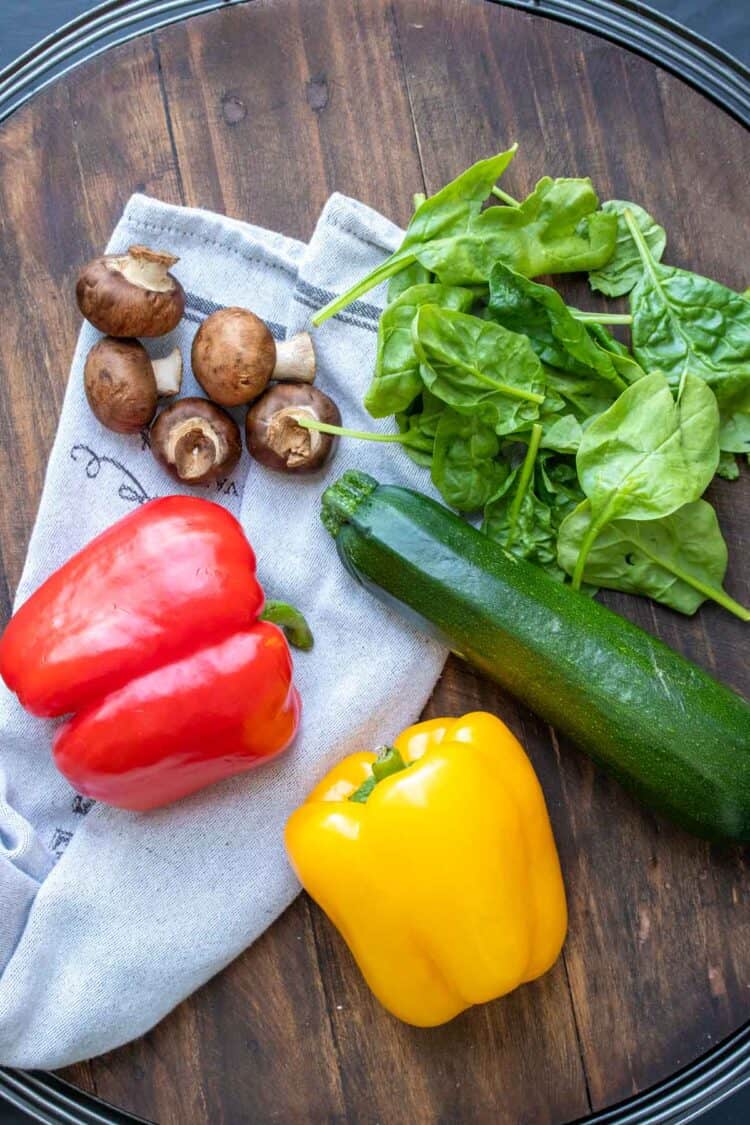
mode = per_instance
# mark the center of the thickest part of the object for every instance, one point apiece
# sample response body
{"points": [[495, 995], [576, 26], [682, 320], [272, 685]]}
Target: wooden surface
{"points": [[260, 111]]}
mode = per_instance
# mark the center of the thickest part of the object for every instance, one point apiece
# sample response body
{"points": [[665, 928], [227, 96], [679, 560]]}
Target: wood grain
{"points": [[260, 111], [68, 164]]}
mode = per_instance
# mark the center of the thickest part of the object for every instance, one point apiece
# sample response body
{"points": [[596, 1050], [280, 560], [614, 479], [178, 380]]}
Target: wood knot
{"points": [[233, 109], [316, 92]]}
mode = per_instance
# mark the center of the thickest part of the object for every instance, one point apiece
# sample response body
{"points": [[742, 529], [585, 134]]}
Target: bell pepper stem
{"points": [[291, 622], [388, 761]]}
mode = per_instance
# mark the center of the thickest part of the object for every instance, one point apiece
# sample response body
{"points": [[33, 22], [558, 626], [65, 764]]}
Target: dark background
{"points": [[724, 22]]}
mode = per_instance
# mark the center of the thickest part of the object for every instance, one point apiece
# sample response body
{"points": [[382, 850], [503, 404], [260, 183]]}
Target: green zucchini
{"points": [[673, 735]]}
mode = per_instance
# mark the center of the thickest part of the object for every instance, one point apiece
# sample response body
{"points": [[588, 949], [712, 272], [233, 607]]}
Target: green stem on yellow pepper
{"points": [[388, 761]]}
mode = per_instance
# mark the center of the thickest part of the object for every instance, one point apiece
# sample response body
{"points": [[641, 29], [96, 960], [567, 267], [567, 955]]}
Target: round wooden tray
{"points": [[260, 111]]}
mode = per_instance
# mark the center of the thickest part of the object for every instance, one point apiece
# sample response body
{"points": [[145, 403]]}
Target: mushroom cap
{"points": [[233, 356], [275, 439], [131, 294], [196, 441], [120, 385]]}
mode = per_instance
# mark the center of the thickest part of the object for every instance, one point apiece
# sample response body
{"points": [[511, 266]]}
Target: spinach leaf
{"points": [[733, 396], [647, 455], [465, 468], [396, 381], [606, 340], [556, 229], [586, 397], [557, 482], [624, 268], [556, 336], [684, 322], [553, 404], [419, 426], [678, 560], [407, 278], [441, 216], [535, 535], [474, 365], [563, 434], [728, 468], [624, 363], [526, 511], [450, 211]]}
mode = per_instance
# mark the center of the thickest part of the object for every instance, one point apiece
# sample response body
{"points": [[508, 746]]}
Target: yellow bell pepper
{"points": [[442, 876]]}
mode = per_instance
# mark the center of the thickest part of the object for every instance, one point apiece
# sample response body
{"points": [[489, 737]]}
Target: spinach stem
{"points": [[396, 262], [524, 480], [588, 542], [600, 318], [721, 597], [640, 242], [504, 197], [341, 431], [504, 388], [716, 594]]}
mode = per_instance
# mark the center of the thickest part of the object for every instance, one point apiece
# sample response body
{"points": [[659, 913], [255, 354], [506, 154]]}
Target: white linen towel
{"points": [[110, 918]]}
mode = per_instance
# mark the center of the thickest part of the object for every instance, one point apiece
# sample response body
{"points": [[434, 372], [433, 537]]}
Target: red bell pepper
{"points": [[151, 635]]}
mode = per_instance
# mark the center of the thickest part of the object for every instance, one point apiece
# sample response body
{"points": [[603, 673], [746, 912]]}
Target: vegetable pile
{"points": [[585, 458]]}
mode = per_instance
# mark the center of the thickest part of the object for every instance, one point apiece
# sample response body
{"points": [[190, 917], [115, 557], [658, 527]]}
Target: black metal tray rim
{"points": [[630, 23]]}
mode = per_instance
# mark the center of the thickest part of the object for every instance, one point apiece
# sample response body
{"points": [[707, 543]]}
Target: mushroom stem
{"points": [[194, 447], [196, 441], [148, 269], [286, 438], [168, 373], [295, 360], [275, 436]]}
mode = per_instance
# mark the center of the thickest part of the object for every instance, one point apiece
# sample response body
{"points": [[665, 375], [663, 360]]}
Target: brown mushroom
{"points": [[131, 294], [274, 436], [196, 440], [235, 357], [123, 383]]}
